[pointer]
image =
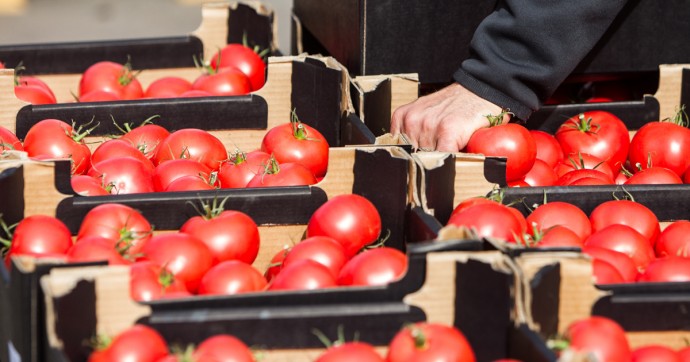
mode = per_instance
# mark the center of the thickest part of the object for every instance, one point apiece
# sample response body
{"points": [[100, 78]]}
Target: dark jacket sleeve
{"points": [[522, 52]]}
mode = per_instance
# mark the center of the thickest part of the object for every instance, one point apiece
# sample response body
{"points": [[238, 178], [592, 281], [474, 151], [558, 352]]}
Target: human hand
{"points": [[444, 120]]}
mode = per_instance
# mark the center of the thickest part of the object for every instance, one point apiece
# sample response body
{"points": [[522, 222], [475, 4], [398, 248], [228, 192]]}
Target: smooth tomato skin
{"points": [[149, 281], [310, 149], [245, 59], [667, 269], [137, 343], [490, 220], [588, 181], [559, 236], [321, 249], [99, 96], [605, 273], [194, 144], [661, 144], [40, 235], [231, 277], [571, 178], [169, 171], [350, 219], [674, 240], [684, 354], [548, 148], [288, 174], [34, 94], [624, 239], [9, 141], [232, 235], [541, 175], [54, 138], [464, 204], [95, 248], [654, 175], [223, 348], [239, 170], [189, 183], [442, 343], [622, 262], [303, 274], [629, 213], [276, 264], [227, 82], [126, 175], [167, 87], [350, 351], [600, 336], [146, 138], [379, 266], [187, 257], [87, 186], [607, 137], [115, 221], [118, 148], [509, 140], [110, 77], [194, 93], [577, 161], [654, 353]]}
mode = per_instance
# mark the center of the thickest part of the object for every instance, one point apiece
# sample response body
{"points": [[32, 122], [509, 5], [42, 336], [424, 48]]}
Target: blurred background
{"points": [[40, 21]]}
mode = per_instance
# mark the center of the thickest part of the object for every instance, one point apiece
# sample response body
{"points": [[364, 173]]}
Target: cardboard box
{"points": [[432, 39]]}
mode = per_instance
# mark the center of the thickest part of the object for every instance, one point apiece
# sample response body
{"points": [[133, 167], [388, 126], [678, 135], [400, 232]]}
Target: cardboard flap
{"points": [[436, 183], [376, 97], [253, 22], [354, 132], [670, 88], [685, 88]]}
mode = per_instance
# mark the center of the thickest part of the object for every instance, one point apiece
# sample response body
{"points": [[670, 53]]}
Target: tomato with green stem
{"points": [[53, 138], [282, 174], [150, 281], [194, 144], [9, 141], [125, 227], [111, 77], [248, 60], [425, 341]]}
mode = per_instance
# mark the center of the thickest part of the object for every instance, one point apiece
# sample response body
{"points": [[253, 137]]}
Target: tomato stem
{"points": [[420, 340]]}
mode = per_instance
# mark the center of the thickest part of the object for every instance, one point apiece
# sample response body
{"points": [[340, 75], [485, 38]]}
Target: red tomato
{"points": [[303, 274], [467, 203], [146, 138], [661, 144], [600, 336], [624, 239], [588, 181], [223, 348], [379, 266], [512, 141], [245, 59], [429, 342], [137, 343], [350, 351], [654, 175], [276, 264], [190, 183], [187, 257], [674, 240], [350, 219], [193, 144], [285, 174], [195, 93], [541, 174], [558, 236], [99, 96], [111, 77], [605, 273], [297, 142], [127, 229], [241, 168], [548, 148], [321, 249], [560, 213], [622, 262], [88, 186], [169, 171], [654, 353], [598, 133], [572, 178], [229, 235], [490, 220], [629, 213], [95, 248], [684, 354], [149, 281], [118, 148], [34, 91], [167, 87], [125, 175], [57, 139], [578, 161], [8, 141], [667, 269], [231, 277], [40, 235], [226, 82]]}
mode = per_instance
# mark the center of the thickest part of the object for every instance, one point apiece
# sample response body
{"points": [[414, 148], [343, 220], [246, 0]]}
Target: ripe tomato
{"points": [[127, 229], [195, 93], [589, 177], [167, 87], [605, 273], [56, 139], [629, 213], [379, 266], [297, 142], [241, 168], [187, 257], [126, 175], [600, 336], [350, 351], [303, 274], [40, 235], [8, 141], [231, 277], [149, 281], [598, 133], [490, 220], [555, 213], [654, 175], [674, 240], [190, 183], [118, 148], [661, 144], [425, 341], [111, 77], [285, 174], [146, 138], [137, 343], [167, 172], [245, 59], [624, 239], [540, 175], [557, 236], [578, 161], [225, 82], [194, 144], [228, 234], [223, 348], [95, 248], [510, 140], [548, 148], [34, 91], [276, 263], [467, 203], [655, 353], [321, 249], [667, 269], [88, 186], [99, 96], [622, 262], [350, 219]]}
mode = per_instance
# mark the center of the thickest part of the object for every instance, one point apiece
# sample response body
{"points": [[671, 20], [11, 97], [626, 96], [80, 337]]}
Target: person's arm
{"points": [[519, 55]]}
